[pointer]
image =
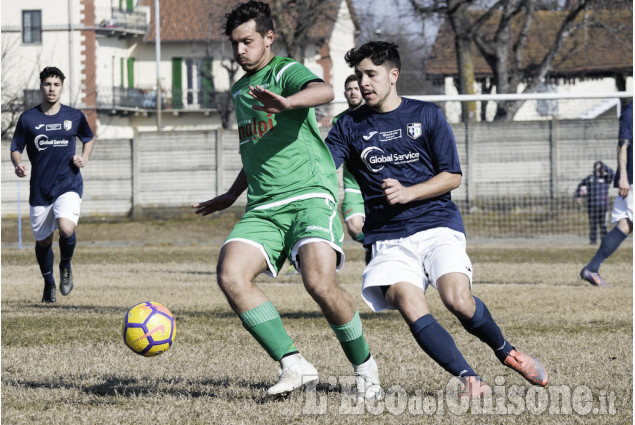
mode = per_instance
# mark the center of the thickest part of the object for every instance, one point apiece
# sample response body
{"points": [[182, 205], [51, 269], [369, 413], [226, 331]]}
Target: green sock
{"points": [[264, 323], [351, 338]]}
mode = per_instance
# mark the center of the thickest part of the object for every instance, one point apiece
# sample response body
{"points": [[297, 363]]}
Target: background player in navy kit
{"points": [[403, 155], [595, 187], [48, 131], [622, 213], [353, 203]]}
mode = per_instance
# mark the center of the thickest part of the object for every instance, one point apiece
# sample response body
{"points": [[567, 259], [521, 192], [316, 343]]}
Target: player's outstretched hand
{"points": [[271, 103], [395, 193], [218, 203]]}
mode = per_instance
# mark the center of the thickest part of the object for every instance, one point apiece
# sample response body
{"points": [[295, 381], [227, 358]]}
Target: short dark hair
{"points": [[379, 52], [350, 78], [245, 12], [51, 71]]}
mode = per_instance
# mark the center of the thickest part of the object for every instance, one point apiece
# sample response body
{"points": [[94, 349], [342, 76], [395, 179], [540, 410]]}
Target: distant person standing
{"points": [[595, 187], [353, 203], [622, 213], [48, 131]]}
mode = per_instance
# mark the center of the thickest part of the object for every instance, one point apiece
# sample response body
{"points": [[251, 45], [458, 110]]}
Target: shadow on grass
{"points": [[114, 386]]}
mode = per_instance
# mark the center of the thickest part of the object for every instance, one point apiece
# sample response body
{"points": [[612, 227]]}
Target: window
{"points": [[32, 26]]}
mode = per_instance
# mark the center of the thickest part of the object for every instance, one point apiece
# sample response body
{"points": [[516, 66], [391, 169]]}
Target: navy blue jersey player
{"points": [[403, 154], [49, 132], [622, 214]]}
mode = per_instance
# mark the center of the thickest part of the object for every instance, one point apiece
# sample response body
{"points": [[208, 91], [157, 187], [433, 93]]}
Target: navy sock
{"points": [[483, 326], [438, 344], [67, 247], [45, 256], [610, 243]]}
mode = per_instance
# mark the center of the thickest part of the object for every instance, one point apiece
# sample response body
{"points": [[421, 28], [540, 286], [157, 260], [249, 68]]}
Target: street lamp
{"points": [[157, 48]]}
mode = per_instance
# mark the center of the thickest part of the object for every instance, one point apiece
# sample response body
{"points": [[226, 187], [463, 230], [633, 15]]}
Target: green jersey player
{"points": [[291, 210]]}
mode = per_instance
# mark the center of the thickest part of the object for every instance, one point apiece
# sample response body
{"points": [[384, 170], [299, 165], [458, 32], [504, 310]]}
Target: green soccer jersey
{"points": [[284, 156]]}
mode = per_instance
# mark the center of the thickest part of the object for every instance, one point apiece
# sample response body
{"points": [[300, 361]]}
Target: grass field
{"points": [[67, 364]]}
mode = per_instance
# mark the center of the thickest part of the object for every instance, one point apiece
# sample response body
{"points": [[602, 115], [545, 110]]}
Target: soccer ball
{"points": [[148, 328]]}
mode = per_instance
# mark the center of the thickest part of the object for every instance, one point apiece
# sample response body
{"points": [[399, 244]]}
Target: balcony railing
{"points": [[127, 99], [118, 22]]}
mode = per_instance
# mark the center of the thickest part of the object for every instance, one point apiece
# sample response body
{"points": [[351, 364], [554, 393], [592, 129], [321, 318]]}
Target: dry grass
{"points": [[67, 364]]}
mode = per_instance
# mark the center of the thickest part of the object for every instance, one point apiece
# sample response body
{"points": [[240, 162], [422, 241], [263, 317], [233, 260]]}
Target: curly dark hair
{"points": [[379, 52], [245, 12], [51, 71]]}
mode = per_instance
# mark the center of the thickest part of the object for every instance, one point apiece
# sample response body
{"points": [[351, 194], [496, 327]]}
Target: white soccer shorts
{"points": [[623, 207], [44, 218], [419, 259]]}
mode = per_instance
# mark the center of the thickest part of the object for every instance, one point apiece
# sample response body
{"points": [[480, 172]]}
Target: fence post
{"points": [[470, 187], [553, 156], [136, 209], [220, 165]]}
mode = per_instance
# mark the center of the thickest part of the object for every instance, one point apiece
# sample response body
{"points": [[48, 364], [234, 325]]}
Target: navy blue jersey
{"points": [[626, 132], [411, 144], [50, 144]]}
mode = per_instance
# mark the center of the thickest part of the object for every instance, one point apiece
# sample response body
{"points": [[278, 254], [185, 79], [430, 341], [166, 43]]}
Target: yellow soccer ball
{"points": [[148, 328]]}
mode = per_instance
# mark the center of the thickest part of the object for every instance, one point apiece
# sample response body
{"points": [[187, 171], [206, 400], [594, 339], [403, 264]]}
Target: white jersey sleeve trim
{"points": [[284, 68]]}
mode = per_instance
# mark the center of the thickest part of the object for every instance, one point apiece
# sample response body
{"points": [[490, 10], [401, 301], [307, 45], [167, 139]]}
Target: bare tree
{"points": [[505, 48], [13, 93], [298, 23]]}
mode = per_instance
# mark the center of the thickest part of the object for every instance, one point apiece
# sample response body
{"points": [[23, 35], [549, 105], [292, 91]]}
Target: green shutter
{"points": [[130, 73], [208, 83], [122, 69], [129, 5], [177, 83]]}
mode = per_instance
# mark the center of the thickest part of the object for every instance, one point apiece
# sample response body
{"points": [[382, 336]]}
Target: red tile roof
{"points": [[202, 20], [597, 50]]}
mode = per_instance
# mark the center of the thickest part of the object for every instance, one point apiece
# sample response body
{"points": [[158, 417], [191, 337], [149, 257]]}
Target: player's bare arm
{"points": [[225, 200], [20, 167], [80, 161], [623, 186], [442, 183], [314, 94]]}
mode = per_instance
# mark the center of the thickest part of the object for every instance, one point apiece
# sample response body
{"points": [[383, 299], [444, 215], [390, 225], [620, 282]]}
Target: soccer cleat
{"points": [[367, 380], [474, 388], [593, 278], [49, 293], [528, 367], [66, 280], [296, 372]]}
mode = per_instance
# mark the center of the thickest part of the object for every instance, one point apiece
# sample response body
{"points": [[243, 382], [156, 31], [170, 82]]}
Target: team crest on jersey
{"points": [[68, 124], [414, 129]]}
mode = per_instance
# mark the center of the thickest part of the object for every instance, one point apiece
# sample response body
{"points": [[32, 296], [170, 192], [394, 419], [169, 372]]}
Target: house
{"points": [[114, 62], [596, 59]]}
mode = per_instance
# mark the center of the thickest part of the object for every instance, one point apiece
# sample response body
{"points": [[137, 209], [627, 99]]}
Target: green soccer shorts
{"points": [[352, 204], [279, 231]]}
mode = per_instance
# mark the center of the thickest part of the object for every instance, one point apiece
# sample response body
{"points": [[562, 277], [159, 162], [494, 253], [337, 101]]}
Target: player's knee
{"points": [[321, 290], [460, 304]]}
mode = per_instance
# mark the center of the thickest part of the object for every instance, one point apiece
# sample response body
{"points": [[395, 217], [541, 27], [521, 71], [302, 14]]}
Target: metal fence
{"points": [[519, 178]]}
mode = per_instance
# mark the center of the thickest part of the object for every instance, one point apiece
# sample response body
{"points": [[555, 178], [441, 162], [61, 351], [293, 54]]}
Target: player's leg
{"points": [[450, 271], [622, 214], [395, 278], [593, 223], [241, 259], [315, 236], [43, 226], [66, 209], [353, 214]]}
